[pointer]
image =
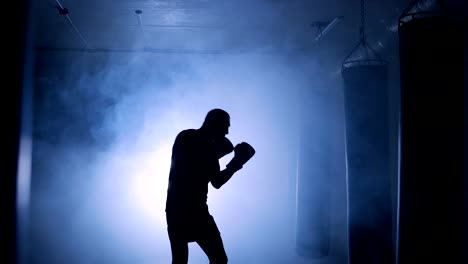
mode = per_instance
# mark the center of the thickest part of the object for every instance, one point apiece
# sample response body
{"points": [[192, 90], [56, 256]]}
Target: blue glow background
{"points": [[104, 128]]}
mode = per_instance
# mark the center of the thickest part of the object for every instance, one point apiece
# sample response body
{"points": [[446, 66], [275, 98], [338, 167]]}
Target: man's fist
{"points": [[243, 152]]}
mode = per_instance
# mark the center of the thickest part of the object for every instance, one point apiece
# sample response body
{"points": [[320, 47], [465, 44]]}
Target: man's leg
{"points": [[179, 249], [179, 245], [212, 244]]}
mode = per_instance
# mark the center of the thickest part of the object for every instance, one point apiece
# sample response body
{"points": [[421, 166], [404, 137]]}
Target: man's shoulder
{"points": [[187, 134]]}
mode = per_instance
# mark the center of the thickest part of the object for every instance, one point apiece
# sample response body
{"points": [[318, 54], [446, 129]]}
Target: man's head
{"points": [[216, 123]]}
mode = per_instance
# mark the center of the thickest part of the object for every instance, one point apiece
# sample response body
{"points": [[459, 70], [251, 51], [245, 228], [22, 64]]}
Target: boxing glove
{"points": [[243, 152], [223, 147]]}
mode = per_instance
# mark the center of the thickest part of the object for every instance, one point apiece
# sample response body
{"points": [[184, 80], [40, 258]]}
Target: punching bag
{"points": [[431, 140], [367, 157]]}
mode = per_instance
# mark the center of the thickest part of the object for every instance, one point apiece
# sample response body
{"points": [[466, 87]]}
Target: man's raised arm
{"points": [[243, 152]]}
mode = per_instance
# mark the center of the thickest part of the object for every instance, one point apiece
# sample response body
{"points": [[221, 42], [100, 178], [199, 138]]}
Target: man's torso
{"points": [[193, 164]]}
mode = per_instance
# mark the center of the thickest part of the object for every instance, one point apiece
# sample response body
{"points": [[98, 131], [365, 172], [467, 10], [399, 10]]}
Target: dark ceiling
{"points": [[203, 25]]}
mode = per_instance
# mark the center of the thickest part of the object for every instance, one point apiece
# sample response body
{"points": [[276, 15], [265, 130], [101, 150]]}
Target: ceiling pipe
{"points": [[328, 26], [140, 25], [421, 8], [64, 12]]}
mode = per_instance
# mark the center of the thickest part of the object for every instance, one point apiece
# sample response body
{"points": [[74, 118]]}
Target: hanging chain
{"points": [[363, 21]]}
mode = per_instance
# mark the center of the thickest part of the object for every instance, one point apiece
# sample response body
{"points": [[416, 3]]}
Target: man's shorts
{"points": [[191, 227]]}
